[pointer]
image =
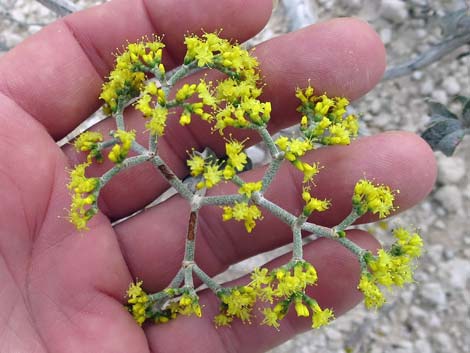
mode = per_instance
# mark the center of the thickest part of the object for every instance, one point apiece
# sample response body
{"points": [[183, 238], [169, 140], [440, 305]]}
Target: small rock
{"points": [[256, 154], [427, 87], [450, 197], [443, 341], [418, 313], [386, 35], [394, 10], [451, 85], [451, 170], [433, 294], [417, 75], [376, 106], [333, 335], [423, 346], [457, 272], [440, 95]]}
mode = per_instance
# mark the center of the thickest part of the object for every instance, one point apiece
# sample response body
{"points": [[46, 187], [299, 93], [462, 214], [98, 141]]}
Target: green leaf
{"points": [[451, 22], [448, 144], [466, 113], [437, 109], [444, 135]]}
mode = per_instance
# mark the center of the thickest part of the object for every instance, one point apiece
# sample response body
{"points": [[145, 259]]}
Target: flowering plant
{"points": [[234, 102]]}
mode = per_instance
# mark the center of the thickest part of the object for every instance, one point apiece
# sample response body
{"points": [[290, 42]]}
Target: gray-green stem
{"points": [[171, 177], [209, 282]]}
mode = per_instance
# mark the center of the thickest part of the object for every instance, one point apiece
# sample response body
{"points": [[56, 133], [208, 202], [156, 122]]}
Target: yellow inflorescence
{"points": [[377, 199], [324, 119], [313, 204], [120, 150], [83, 205], [138, 301], [127, 79], [285, 286], [390, 268], [140, 79], [242, 211]]}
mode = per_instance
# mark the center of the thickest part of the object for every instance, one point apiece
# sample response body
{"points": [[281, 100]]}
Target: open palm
{"points": [[62, 291]]}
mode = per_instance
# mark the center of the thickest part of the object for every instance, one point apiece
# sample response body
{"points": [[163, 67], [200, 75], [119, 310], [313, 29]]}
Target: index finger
{"points": [[56, 75]]}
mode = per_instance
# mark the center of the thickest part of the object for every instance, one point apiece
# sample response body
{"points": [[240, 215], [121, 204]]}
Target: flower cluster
{"points": [[140, 81], [83, 206], [285, 286], [243, 211], [126, 80], [324, 119], [120, 150], [312, 203], [293, 149], [88, 141], [138, 302], [390, 268], [374, 198]]}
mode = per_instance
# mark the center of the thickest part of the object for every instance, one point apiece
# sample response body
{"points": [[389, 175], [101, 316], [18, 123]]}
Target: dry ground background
{"points": [[432, 315]]}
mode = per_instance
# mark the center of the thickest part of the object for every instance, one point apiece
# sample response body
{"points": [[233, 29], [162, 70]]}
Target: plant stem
{"points": [[221, 200], [204, 277], [127, 163], [350, 219], [137, 147], [268, 140], [120, 118], [172, 179], [277, 211], [191, 238], [271, 172], [297, 251], [181, 72]]}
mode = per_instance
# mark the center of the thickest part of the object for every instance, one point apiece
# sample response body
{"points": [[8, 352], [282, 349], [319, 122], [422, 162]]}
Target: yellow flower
{"points": [[83, 204], [185, 92], [120, 150], [248, 188], [222, 320], [212, 176], [196, 164], [373, 297], [138, 301], [87, 141], [301, 309], [156, 125], [239, 302], [271, 318], [374, 198], [321, 317], [241, 211]]}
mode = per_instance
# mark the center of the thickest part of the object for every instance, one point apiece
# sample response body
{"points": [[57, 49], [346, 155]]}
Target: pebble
{"points": [[451, 170], [443, 341], [457, 272], [427, 86], [394, 10], [422, 346], [450, 198], [386, 35], [417, 75], [451, 85], [440, 96], [256, 154], [433, 294]]}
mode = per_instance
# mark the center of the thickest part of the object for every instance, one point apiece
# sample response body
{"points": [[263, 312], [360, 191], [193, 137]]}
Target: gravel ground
{"points": [[433, 314]]}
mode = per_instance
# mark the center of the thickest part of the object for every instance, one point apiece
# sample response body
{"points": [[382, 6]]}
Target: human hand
{"points": [[63, 291]]}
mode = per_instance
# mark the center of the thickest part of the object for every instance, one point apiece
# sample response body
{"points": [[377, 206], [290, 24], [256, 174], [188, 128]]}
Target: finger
{"points": [[159, 233], [338, 276], [286, 62], [60, 88]]}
